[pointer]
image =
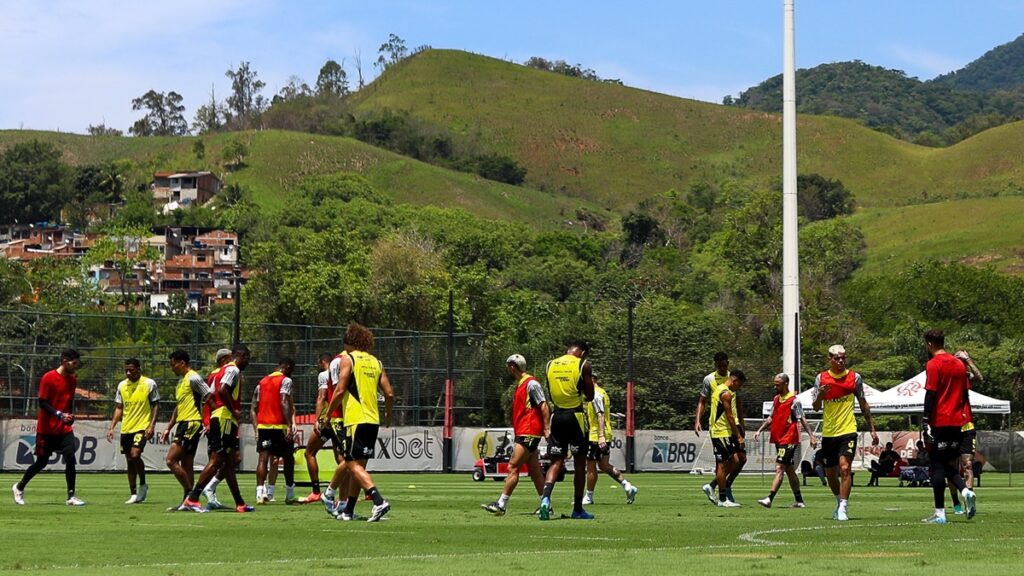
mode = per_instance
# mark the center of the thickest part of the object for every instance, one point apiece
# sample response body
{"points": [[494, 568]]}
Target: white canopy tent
{"points": [[908, 397]]}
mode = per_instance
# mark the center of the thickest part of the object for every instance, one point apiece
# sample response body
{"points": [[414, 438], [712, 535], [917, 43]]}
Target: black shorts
{"points": [[187, 434], [529, 442], [594, 451], [361, 441], [333, 432], [785, 453], [223, 436], [947, 444], [49, 444], [833, 447], [133, 440], [273, 440], [725, 448], [969, 444], [567, 433]]}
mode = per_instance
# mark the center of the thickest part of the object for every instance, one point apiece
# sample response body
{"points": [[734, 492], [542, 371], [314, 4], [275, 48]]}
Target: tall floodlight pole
{"points": [[790, 254]]}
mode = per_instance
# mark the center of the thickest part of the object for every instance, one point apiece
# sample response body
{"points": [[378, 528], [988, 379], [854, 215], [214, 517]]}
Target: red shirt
{"points": [[784, 427], [59, 390], [946, 376], [270, 412], [526, 418]]}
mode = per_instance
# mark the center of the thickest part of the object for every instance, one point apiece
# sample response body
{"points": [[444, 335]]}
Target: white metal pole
{"points": [[790, 254]]}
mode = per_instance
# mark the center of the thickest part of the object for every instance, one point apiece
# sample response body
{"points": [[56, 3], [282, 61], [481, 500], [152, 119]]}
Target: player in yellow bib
{"points": [[361, 378], [835, 389], [599, 449], [571, 382], [710, 387], [726, 435], [190, 395], [136, 402]]}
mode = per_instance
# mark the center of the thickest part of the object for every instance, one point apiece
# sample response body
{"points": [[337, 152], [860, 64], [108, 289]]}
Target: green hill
{"points": [[1001, 68], [616, 145], [278, 161]]}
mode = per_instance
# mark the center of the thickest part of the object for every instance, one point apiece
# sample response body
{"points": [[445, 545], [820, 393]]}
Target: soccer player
{"points": [[787, 412], [361, 378], [273, 412], [709, 387], [223, 434], [835, 389], [969, 445], [945, 414], [531, 418], [329, 428], [190, 395], [598, 449], [222, 357], [54, 425], [571, 381], [137, 401], [726, 437]]}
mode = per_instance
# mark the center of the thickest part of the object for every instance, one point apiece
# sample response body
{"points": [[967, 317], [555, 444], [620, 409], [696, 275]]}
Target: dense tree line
{"points": [[929, 113]]}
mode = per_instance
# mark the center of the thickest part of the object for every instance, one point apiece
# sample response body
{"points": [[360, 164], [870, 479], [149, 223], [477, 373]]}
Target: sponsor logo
{"points": [[673, 452], [85, 447], [397, 447]]}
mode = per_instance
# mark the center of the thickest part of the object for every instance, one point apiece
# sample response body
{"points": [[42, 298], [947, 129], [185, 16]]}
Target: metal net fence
{"points": [[416, 362]]}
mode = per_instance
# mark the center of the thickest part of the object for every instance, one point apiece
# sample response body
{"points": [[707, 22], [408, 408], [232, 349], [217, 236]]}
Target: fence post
{"points": [[449, 386], [630, 405]]}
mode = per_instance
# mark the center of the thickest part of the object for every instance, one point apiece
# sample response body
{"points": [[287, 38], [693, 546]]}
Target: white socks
{"points": [[503, 500]]}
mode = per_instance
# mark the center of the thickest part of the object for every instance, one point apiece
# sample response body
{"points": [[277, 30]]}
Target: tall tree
{"points": [[164, 116], [295, 88], [391, 52], [210, 117], [34, 182], [332, 80], [245, 102]]}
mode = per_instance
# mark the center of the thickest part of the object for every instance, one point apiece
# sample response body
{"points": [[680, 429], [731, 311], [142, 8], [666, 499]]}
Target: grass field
{"points": [[436, 526]]}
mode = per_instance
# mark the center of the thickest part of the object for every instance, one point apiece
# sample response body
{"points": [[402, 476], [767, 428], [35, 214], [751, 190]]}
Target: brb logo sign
{"points": [[85, 447], [668, 452]]}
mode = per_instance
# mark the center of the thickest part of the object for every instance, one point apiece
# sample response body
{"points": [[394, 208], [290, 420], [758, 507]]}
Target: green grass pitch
{"points": [[436, 526]]}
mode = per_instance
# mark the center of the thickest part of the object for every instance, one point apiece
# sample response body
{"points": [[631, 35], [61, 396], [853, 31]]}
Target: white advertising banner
{"points": [[403, 448], [667, 450]]}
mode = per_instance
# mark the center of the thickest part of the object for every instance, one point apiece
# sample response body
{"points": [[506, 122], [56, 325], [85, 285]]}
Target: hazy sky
{"points": [[70, 63]]}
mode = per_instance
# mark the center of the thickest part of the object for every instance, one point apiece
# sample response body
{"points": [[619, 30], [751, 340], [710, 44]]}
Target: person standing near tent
{"points": [[709, 388], [787, 413], [835, 389], [945, 414]]}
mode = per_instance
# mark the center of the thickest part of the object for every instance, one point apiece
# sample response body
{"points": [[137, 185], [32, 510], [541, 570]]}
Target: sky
{"points": [[68, 64]]}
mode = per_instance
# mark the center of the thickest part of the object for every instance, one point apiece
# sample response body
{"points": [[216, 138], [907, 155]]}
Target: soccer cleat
{"points": [[215, 505], [970, 501], [314, 497], [346, 517], [75, 501], [841, 515], [958, 509], [330, 505], [19, 495], [494, 508], [582, 515], [143, 491], [378, 512], [798, 505], [710, 493], [588, 500], [210, 496], [835, 514], [133, 500], [545, 509], [728, 504], [193, 505], [934, 519], [243, 508], [631, 494], [766, 502]]}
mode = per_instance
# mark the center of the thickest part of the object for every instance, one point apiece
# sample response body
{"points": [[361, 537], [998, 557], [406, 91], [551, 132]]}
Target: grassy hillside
{"points": [[278, 161], [987, 231], [616, 145]]}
